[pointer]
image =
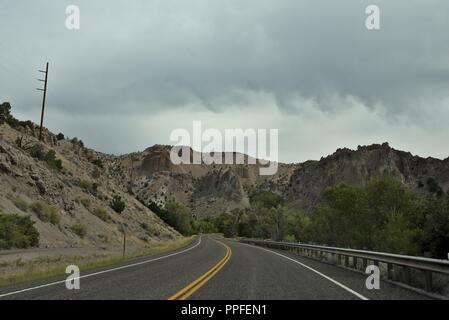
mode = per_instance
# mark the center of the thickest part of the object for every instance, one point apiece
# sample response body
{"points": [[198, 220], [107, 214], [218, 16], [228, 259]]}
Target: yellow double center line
{"points": [[201, 281]]}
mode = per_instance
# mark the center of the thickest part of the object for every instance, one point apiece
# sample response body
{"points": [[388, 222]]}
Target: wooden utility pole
{"points": [[43, 98], [124, 242]]}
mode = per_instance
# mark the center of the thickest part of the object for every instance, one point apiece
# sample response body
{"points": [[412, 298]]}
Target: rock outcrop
{"points": [[357, 167]]}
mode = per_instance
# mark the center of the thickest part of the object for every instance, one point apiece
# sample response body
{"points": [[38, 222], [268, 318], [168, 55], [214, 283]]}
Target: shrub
{"points": [[6, 116], [5, 112], [60, 136], [103, 238], [117, 204], [96, 173], [79, 230], [20, 203], [101, 213], [51, 160], [83, 184], [37, 151], [85, 202], [98, 163], [17, 232], [88, 186], [45, 212], [289, 238], [144, 225], [149, 229]]}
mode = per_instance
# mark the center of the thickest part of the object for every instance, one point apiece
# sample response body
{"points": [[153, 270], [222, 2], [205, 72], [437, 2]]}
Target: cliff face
{"points": [[212, 189], [357, 167], [204, 189]]}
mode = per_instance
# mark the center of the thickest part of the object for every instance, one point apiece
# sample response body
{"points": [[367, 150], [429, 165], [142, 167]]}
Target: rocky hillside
{"points": [[204, 189], [212, 189], [356, 167], [68, 192]]}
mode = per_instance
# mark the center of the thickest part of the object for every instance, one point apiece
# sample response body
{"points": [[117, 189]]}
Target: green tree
{"points": [[436, 229], [298, 224], [5, 112], [340, 218], [205, 225], [266, 199], [225, 223], [385, 215], [180, 217]]}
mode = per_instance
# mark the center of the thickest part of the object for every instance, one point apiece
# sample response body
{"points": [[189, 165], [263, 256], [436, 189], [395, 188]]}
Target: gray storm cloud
{"points": [[146, 58]]}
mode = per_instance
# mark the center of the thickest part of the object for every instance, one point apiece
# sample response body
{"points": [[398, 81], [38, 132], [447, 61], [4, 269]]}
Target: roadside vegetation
{"points": [[385, 215], [20, 203], [101, 213], [79, 230], [177, 216], [17, 232], [45, 212], [46, 266]]}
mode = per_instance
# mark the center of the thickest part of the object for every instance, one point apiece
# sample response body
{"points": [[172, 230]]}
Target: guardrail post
{"points": [[408, 278], [428, 276], [364, 263], [390, 274]]}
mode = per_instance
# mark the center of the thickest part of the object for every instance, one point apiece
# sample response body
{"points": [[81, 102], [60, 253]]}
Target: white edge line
{"points": [[101, 272], [362, 297]]}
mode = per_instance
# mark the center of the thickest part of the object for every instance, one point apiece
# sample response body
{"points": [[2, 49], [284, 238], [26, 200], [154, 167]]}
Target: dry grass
{"points": [[19, 270]]}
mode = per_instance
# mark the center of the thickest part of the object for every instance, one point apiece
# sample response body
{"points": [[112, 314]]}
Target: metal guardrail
{"points": [[398, 267]]}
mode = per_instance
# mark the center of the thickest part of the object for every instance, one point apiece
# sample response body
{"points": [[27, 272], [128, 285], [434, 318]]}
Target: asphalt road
{"points": [[213, 269]]}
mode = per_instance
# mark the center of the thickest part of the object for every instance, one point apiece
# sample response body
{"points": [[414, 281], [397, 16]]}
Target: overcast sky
{"points": [[138, 69]]}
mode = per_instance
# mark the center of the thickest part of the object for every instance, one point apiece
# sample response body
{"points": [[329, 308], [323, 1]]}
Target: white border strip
{"points": [[104, 271], [358, 295]]}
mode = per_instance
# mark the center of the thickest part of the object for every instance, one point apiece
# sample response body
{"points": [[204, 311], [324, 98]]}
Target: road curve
{"points": [[213, 269]]}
